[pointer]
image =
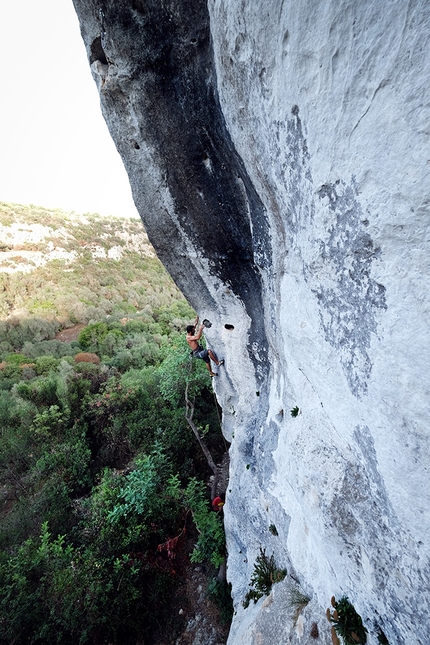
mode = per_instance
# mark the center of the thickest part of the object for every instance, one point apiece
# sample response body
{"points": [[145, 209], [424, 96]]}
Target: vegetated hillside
{"points": [[102, 482], [76, 268]]}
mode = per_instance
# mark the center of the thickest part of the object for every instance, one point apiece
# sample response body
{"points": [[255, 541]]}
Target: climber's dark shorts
{"points": [[201, 353]]}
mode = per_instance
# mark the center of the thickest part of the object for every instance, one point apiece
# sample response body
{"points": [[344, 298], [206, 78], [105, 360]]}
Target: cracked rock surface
{"points": [[278, 154]]}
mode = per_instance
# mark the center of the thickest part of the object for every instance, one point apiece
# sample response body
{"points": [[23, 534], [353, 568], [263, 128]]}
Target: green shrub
{"points": [[41, 391], [46, 364], [12, 372], [51, 348], [15, 455], [346, 622], [68, 459], [93, 335], [210, 546], [16, 359], [148, 497], [263, 578], [123, 360], [111, 342], [8, 412]]}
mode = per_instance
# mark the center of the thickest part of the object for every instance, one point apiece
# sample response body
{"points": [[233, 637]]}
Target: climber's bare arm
{"points": [[196, 336]]}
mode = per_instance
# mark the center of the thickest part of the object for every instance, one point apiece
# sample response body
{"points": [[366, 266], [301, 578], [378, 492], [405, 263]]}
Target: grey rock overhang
{"points": [[160, 54]]}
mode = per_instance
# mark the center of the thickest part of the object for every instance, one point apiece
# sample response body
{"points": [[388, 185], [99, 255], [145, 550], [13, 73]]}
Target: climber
{"points": [[197, 350]]}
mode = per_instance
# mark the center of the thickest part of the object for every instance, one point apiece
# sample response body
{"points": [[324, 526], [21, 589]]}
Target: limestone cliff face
{"points": [[278, 154]]}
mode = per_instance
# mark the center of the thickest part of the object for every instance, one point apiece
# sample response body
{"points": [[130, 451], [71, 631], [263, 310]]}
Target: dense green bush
{"points": [[264, 576], [15, 332], [146, 502], [346, 622], [52, 348], [211, 541], [46, 364], [92, 336]]}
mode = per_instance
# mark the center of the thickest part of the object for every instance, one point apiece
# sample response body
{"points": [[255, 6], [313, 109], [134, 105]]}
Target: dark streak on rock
{"points": [[296, 174], [348, 306], [348, 297]]}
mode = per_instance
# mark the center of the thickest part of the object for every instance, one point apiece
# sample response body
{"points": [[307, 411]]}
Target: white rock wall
{"points": [[327, 104]]}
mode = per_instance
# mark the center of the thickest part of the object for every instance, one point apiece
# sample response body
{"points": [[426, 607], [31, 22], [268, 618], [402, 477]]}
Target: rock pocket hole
{"points": [[138, 6], [229, 327], [97, 52]]}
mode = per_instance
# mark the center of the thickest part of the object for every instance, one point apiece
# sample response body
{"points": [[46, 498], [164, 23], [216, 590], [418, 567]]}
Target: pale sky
{"points": [[55, 148]]}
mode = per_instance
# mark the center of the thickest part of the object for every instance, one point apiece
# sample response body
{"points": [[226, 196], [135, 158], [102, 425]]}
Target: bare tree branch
{"points": [[189, 412]]}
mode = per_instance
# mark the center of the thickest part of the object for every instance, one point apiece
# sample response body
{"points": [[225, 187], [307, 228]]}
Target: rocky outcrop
{"points": [[277, 153]]}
